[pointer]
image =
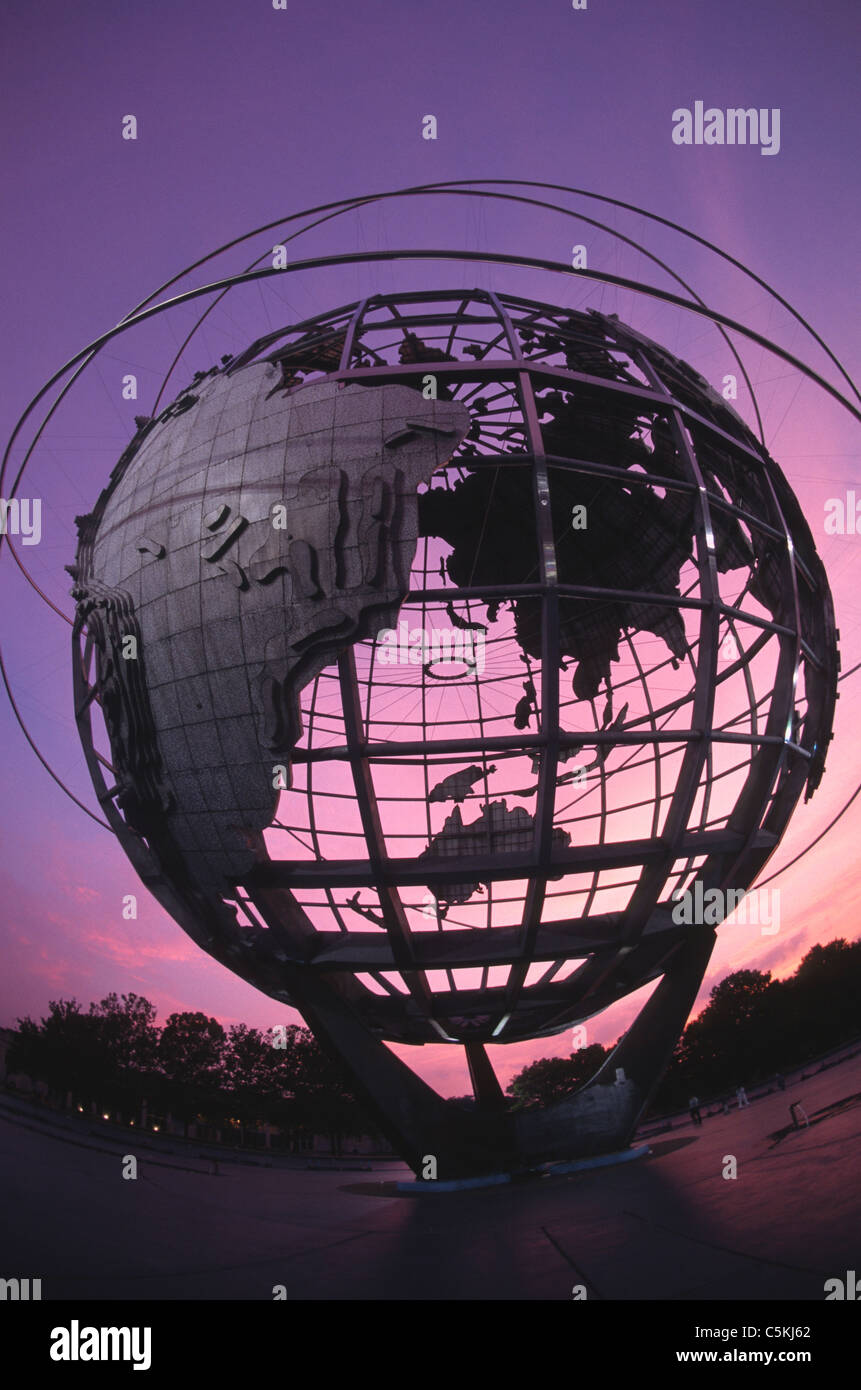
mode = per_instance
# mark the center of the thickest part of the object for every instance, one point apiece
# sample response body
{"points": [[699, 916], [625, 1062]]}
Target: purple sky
{"points": [[246, 113]]}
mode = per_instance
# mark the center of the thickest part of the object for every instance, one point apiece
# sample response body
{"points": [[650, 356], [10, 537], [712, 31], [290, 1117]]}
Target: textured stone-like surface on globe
{"points": [[254, 537]]}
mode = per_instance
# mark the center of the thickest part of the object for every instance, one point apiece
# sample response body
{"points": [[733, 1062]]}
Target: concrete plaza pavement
{"points": [[667, 1226]]}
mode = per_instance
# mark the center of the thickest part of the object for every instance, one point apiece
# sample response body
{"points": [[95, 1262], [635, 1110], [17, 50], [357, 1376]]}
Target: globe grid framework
{"points": [[411, 853]]}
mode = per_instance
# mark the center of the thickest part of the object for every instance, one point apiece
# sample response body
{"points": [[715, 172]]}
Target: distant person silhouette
{"points": [[741, 1097], [694, 1107]]}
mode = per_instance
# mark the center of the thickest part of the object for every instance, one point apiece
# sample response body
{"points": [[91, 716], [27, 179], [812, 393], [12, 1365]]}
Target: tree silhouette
{"points": [[99, 1054], [552, 1078], [191, 1053], [115, 1053], [751, 1027]]}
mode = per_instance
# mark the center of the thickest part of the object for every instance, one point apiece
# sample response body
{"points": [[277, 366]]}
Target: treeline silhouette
{"points": [[115, 1054], [752, 1027]]}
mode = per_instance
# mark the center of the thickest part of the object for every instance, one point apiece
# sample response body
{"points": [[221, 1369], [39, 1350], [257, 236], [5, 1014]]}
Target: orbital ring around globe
{"points": [[482, 858]]}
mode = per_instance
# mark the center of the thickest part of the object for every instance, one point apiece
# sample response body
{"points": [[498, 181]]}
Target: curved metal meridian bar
{"points": [[468, 186], [46, 765], [636, 948], [508, 197], [457, 186], [483, 257], [85, 363], [87, 353], [33, 585], [693, 236], [340, 212], [282, 946], [760, 883]]}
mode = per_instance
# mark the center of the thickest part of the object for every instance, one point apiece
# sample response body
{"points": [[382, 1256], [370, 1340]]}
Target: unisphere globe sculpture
{"points": [[453, 650]]}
